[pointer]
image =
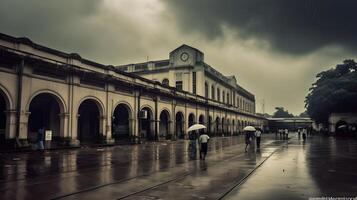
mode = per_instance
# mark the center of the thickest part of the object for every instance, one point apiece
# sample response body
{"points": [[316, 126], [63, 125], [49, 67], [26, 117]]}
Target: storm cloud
{"points": [[274, 47], [294, 27]]}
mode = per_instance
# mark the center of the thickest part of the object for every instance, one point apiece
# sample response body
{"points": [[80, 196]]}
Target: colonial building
{"points": [[80, 101], [186, 70]]}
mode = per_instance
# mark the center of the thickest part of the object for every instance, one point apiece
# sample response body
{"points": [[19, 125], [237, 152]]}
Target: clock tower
{"points": [[186, 56]]}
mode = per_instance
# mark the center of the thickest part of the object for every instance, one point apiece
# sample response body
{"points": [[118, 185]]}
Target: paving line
{"points": [[240, 182]]}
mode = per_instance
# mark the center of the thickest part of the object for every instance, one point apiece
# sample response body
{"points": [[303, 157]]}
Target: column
{"points": [[10, 130], [64, 118], [171, 128]]}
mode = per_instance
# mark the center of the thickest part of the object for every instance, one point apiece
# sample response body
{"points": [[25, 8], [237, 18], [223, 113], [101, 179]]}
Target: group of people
{"points": [[203, 141], [249, 138], [303, 132], [283, 133]]}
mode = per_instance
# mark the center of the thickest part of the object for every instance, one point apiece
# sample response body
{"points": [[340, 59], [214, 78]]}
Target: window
{"points": [[212, 92], [206, 90], [227, 98], [165, 81], [194, 82], [179, 85], [223, 96], [218, 94], [140, 67], [234, 99]]}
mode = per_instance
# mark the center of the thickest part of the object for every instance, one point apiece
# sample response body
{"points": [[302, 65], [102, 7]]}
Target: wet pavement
{"points": [[282, 169], [319, 167]]}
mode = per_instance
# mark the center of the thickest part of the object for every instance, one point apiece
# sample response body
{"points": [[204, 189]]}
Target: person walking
{"points": [[248, 139], [304, 134], [40, 138], [193, 140], [258, 134], [203, 139]]}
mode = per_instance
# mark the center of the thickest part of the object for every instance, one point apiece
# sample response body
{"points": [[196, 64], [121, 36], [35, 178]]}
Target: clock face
{"points": [[184, 56]]}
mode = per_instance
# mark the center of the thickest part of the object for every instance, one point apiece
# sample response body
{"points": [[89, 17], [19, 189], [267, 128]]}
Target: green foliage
{"points": [[334, 91], [304, 114], [282, 113]]}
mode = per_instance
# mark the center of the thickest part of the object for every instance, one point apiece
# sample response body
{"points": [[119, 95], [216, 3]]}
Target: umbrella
{"points": [[342, 126], [249, 128], [196, 127]]}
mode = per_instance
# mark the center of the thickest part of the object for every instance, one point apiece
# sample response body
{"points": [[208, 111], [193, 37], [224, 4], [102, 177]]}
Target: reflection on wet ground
{"points": [[114, 172], [319, 167], [281, 169]]}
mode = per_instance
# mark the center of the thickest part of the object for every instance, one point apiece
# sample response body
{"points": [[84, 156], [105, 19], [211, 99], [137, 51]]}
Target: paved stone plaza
{"points": [[282, 169]]}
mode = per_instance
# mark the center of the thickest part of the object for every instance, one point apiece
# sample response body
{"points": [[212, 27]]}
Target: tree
{"points": [[304, 114], [334, 91], [282, 113]]}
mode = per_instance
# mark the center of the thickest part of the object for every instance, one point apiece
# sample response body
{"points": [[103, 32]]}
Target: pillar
{"points": [[10, 129], [64, 118]]}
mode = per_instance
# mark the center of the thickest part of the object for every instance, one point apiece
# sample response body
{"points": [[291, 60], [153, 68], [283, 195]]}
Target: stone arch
{"points": [[167, 110], [179, 125], [132, 114], [96, 100], [191, 119], [217, 127], [91, 120], [6, 106], [228, 126], [164, 124], [147, 122], [122, 121], [209, 125], [7, 97], [201, 119], [51, 116], [150, 108], [57, 96]]}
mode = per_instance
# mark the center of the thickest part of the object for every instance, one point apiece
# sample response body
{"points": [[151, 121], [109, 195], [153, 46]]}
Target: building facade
{"points": [[186, 70], [292, 124], [343, 124], [80, 101]]}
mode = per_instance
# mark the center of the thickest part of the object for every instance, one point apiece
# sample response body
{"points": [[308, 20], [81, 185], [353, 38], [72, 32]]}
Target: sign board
{"points": [[48, 135]]}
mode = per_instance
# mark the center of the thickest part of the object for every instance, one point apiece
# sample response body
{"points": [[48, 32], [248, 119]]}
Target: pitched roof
{"points": [[185, 45]]}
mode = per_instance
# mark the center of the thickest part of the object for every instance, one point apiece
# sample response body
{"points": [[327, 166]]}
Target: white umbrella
{"points": [[196, 127], [342, 126], [249, 128]]}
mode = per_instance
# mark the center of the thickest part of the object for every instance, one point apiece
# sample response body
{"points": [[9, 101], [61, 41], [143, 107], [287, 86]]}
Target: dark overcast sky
{"points": [[274, 47]]}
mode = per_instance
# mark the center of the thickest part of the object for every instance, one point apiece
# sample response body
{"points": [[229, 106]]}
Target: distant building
{"points": [[292, 124]]}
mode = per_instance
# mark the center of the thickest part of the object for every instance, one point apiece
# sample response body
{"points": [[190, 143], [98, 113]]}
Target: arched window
{"points": [[223, 96], [227, 98], [165, 81], [218, 94], [212, 92], [206, 89]]}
